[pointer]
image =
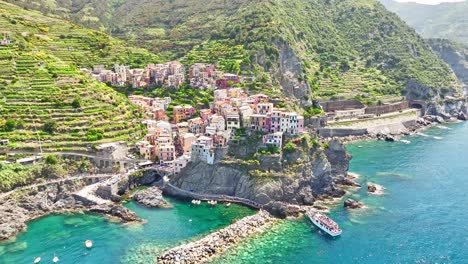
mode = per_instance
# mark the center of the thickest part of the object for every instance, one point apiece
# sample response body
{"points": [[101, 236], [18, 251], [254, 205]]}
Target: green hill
{"points": [[44, 95], [447, 20], [308, 48]]}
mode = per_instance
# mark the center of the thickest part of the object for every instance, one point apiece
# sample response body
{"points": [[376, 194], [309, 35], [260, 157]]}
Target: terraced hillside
{"points": [[308, 48], [44, 97], [70, 42]]}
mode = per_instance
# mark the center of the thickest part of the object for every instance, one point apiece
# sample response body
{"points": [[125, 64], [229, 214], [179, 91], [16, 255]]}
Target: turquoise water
{"points": [[64, 235], [422, 218]]}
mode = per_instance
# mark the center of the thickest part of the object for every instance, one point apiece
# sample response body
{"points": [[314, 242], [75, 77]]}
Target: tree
{"points": [[10, 125], [49, 126], [76, 103], [51, 160]]}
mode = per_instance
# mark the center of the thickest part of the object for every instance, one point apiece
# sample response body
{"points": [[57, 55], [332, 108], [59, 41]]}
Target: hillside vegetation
{"points": [[447, 20], [309, 48], [43, 94]]}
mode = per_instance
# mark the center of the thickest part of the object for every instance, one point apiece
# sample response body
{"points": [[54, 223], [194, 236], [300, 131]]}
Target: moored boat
{"points": [[88, 244], [37, 260], [324, 223], [55, 259]]}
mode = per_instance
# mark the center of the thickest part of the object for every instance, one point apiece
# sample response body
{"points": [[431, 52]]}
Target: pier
{"points": [[218, 242]]}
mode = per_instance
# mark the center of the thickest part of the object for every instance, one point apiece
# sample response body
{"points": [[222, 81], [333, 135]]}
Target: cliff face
{"points": [[455, 55], [297, 177]]}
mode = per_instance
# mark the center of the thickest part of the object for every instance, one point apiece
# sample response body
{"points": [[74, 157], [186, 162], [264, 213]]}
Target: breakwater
{"points": [[218, 242]]}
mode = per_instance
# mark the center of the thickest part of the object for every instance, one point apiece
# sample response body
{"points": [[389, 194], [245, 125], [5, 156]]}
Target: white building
{"points": [[275, 139], [181, 162], [202, 150]]}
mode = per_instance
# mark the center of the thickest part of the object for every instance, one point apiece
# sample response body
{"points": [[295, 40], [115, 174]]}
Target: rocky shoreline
{"points": [[420, 124], [21, 207], [218, 242]]}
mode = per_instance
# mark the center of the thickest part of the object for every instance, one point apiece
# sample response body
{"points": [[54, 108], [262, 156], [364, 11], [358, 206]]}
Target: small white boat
{"points": [[88, 244], [228, 204], [55, 259], [37, 260]]}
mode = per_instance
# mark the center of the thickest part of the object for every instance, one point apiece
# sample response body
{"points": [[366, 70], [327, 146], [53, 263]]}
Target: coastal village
{"points": [[194, 134]]}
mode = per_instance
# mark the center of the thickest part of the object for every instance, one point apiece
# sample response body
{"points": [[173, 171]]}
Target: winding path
{"points": [[95, 176]]}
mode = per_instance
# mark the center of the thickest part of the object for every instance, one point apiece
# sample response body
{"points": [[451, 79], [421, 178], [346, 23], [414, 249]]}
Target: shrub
{"points": [[50, 127], [76, 103], [94, 134], [10, 125], [289, 147], [51, 159]]}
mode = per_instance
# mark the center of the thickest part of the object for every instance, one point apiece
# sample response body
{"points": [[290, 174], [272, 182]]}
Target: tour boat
{"points": [[37, 260], [324, 223], [89, 244]]}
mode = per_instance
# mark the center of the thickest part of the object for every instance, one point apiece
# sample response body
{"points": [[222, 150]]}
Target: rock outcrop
{"points": [[375, 189], [151, 197], [353, 204], [25, 205], [115, 210], [298, 177], [19, 208]]}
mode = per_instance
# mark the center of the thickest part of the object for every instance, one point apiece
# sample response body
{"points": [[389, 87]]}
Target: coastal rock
{"points": [[115, 210], [375, 189], [17, 209], [390, 138], [353, 204], [283, 210], [347, 181], [462, 116], [151, 197]]}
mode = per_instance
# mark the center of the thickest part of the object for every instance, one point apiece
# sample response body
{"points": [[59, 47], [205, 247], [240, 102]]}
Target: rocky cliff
{"points": [[455, 55], [298, 176]]}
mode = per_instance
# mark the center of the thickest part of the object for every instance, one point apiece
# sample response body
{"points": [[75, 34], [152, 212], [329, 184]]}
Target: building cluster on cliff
{"points": [[169, 74], [204, 134]]}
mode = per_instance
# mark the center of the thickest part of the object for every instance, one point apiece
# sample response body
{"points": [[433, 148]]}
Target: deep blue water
{"points": [[422, 218]]}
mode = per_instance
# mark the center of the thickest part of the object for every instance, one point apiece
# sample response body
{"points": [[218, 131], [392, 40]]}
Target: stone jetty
{"points": [[218, 242]]}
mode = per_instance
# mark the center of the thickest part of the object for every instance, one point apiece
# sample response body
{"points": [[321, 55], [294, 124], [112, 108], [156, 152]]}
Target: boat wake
{"points": [[438, 138]]}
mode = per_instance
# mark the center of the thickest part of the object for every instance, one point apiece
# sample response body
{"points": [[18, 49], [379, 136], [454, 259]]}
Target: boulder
{"points": [[390, 138], [353, 204], [462, 116], [151, 197], [371, 188]]}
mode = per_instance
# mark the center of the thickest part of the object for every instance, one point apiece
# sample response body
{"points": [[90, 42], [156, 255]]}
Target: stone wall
{"points": [[390, 108], [341, 132], [332, 106]]}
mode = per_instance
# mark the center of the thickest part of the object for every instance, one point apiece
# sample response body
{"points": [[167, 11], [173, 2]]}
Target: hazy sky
{"points": [[430, 2]]}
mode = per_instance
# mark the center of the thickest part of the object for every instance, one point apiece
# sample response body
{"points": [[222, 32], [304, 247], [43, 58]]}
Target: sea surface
{"points": [[64, 235], [421, 218]]}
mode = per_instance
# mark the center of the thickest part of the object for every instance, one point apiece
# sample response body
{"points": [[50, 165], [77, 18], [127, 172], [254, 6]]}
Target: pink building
{"points": [[166, 153], [259, 122]]}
